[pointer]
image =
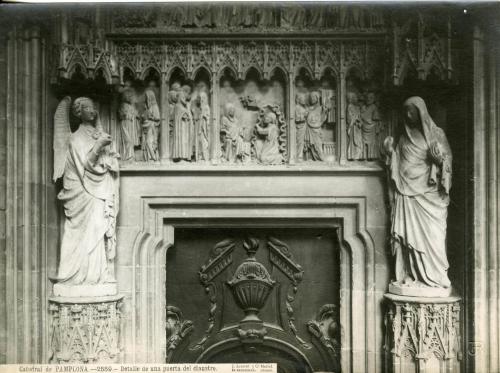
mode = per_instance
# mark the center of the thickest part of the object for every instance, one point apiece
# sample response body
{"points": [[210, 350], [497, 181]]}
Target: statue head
{"points": [[301, 99], [202, 98], [370, 98], [299, 83], [229, 109], [202, 87], [269, 118], [152, 84], [175, 86], [226, 84], [187, 90], [150, 98], [412, 115], [172, 96], [352, 98], [83, 108], [314, 98], [128, 95]]}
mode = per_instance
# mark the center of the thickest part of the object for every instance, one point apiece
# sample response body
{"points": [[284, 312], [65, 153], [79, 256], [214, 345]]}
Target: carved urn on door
{"points": [[251, 283]]}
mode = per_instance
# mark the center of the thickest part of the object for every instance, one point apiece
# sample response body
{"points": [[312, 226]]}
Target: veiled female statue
{"points": [[150, 126], [90, 197], [202, 121], [354, 124], [129, 126], [183, 122], [420, 181]]}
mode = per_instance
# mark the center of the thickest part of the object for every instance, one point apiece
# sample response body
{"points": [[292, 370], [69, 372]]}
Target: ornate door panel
{"points": [[254, 295]]}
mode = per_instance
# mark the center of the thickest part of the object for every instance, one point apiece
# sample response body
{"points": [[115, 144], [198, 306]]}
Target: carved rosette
{"points": [[251, 283], [423, 334], [85, 330]]}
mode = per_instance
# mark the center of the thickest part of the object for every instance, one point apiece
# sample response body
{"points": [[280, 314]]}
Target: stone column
{"points": [[215, 143], [423, 335], [483, 276], [85, 330], [292, 130], [28, 216], [342, 138]]}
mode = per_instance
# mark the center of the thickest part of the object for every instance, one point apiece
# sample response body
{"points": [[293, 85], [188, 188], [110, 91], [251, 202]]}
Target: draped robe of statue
{"points": [[233, 142], [267, 144], [183, 123], [150, 128], [202, 120], [354, 133], [130, 136], [313, 138], [90, 198], [420, 191], [370, 117]]}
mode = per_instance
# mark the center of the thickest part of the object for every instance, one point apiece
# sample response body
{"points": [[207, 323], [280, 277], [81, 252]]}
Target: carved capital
{"points": [[425, 331], [86, 330]]}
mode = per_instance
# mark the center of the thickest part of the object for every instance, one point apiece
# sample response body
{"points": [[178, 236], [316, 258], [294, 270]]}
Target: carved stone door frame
{"points": [[161, 216]]}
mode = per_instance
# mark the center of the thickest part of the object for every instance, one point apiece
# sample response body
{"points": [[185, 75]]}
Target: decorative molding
{"points": [[85, 331], [220, 258], [281, 256]]}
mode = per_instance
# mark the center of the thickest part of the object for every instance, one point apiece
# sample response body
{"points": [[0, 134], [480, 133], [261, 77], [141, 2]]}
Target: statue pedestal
{"points": [[85, 330], [422, 334]]}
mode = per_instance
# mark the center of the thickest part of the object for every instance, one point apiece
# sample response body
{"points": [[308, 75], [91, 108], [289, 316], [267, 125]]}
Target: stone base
{"points": [[418, 291], [76, 291], [85, 330], [423, 334]]}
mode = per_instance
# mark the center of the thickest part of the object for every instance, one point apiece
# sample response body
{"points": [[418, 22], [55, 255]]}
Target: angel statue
{"points": [[90, 197], [419, 180]]}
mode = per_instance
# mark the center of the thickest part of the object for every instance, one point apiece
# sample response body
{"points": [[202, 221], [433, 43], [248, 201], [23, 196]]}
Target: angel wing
{"points": [[62, 132]]}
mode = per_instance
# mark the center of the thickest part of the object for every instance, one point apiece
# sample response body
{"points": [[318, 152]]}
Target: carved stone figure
{"points": [[267, 140], [90, 198], [192, 130], [371, 127], [300, 123], [129, 126], [150, 126], [354, 132], [316, 17], [182, 149], [293, 16], [313, 140], [327, 95], [202, 119], [232, 139], [173, 96], [420, 181]]}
